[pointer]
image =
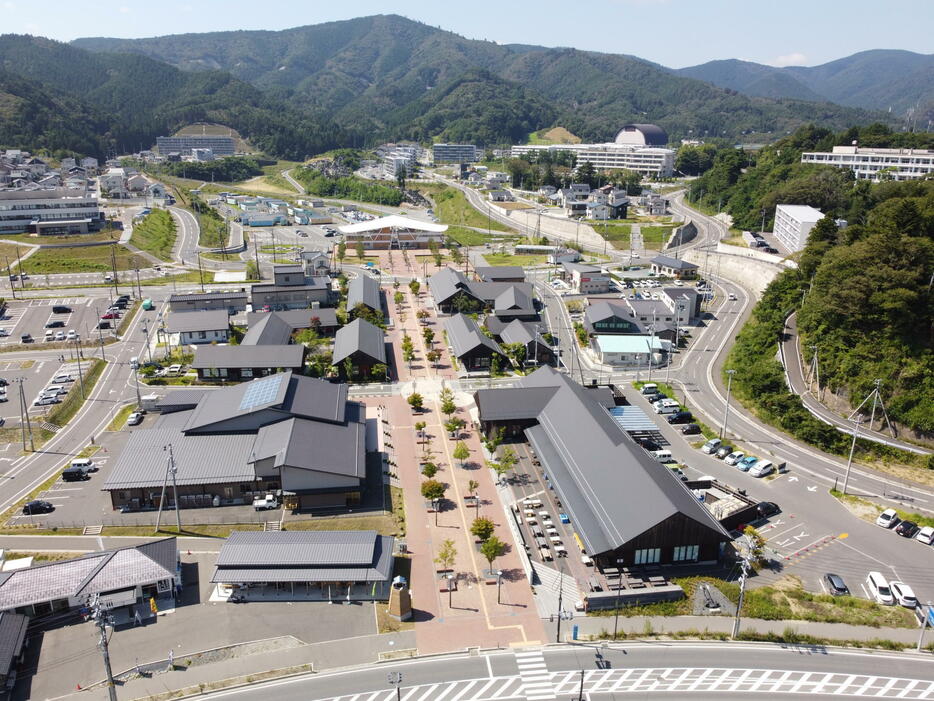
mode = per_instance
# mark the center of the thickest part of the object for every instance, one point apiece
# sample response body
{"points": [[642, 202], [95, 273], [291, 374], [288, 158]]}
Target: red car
{"points": [[110, 315]]}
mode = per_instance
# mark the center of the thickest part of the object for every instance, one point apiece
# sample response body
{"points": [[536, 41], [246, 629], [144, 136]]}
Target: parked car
{"points": [[734, 457], [711, 446], [731, 297], [767, 508], [925, 535], [770, 249], [110, 315], [904, 595], [37, 506], [723, 451], [836, 585], [55, 324], [55, 390], [681, 475], [45, 401], [746, 463], [762, 468], [26, 338], [264, 503], [907, 529], [648, 443], [4, 333], [4, 382], [690, 429], [680, 417], [134, 419], [59, 335], [887, 518], [58, 379], [61, 309]]}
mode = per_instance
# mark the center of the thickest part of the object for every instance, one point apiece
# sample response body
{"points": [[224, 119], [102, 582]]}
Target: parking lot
{"points": [[31, 316], [37, 376]]}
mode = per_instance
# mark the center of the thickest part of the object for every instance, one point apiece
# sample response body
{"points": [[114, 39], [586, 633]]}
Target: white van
{"points": [[134, 362], [879, 589], [761, 468], [85, 464], [667, 406], [649, 388], [173, 370], [663, 456]]}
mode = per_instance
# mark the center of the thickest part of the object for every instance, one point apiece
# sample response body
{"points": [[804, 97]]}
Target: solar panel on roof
{"points": [[261, 392]]}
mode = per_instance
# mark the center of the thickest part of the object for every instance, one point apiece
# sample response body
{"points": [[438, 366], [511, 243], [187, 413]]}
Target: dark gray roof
{"points": [[514, 298], [579, 267], [675, 263], [313, 398], [610, 487], [199, 459], [363, 290], [305, 556], [269, 330], [599, 311], [494, 273], [517, 403], [298, 318], [208, 296], [215, 320], [520, 332], [311, 283], [465, 335], [290, 357], [646, 307], [12, 634], [94, 573], [654, 134], [445, 283], [360, 336], [490, 291], [337, 449], [181, 398], [287, 269]]}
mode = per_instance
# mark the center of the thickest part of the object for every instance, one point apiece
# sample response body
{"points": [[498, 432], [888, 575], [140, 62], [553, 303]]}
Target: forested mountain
{"points": [[879, 79], [140, 99], [376, 73], [863, 291]]}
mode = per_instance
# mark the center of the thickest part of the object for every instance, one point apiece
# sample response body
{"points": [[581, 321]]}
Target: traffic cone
{"points": [[78, 686]]}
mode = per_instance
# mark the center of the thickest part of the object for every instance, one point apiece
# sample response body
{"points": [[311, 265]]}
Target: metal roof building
{"points": [[361, 341], [300, 318], [625, 506], [213, 320], [270, 329], [364, 290], [472, 348]]}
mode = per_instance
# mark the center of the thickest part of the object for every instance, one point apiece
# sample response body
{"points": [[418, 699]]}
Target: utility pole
{"points": [[173, 471], [200, 272], [101, 619], [849, 461], [259, 273], [113, 264], [9, 274], [139, 287], [148, 344], [24, 415], [139, 400], [742, 588], [726, 409], [560, 602], [78, 358], [929, 611], [100, 333]]}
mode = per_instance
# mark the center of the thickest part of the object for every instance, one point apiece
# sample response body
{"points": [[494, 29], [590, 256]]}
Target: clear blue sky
{"points": [[675, 33]]}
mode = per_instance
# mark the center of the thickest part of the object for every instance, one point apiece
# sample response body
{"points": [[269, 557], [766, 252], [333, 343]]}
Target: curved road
{"points": [[695, 670]]}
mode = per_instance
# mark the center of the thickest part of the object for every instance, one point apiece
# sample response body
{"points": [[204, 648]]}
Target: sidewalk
{"points": [[653, 625]]}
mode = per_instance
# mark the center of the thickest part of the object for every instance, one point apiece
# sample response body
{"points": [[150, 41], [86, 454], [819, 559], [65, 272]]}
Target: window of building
{"points": [[647, 556], [202, 334], [685, 553], [246, 372]]}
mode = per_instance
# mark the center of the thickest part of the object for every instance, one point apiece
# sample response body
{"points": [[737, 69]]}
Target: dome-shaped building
{"points": [[642, 135]]}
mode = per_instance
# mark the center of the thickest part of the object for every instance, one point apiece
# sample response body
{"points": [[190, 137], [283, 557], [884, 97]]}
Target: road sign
{"points": [[931, 615]]}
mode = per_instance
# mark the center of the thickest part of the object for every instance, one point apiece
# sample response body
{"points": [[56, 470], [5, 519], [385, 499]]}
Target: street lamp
{"points": [[726, 410], [499, 585], [450, 588], [395, 679]]}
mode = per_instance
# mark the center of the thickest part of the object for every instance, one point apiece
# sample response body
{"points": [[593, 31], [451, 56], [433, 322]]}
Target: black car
{"points": [[648, 443], [55, 325], [907, 529], [4, 382], [690, 429], [123, 298], [836, 585], [723, 451], [61, 309], [767, 508], [680, 417], [26, 338], [655, 396], [37, 507], [769, 249]]}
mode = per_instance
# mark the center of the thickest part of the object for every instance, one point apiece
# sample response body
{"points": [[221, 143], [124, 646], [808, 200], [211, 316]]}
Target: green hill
{"points": [[375, 72]]}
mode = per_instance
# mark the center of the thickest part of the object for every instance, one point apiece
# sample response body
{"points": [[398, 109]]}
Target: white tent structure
{"points": [[393, 231]]}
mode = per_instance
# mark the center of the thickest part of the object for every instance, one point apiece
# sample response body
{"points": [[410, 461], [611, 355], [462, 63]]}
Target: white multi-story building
{"points": [[219, 145], [54, 211], [868, 163], [650, 161], [454, 153], [793, 223]]}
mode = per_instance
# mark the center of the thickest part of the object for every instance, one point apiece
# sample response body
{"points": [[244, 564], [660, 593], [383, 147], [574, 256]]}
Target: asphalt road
{"points": [[701, 670]]}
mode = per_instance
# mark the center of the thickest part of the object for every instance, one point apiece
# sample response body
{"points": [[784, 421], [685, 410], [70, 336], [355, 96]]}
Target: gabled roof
{"points": [[674, 263], [94, 573], [363, 290], [612, 490], [269, 330], [465, 335], [298, 318], [12, 635], [337, 449], [513, 298], [180, 322], [305, 556], [599, 311], [519, 332], [446, 283], [360, 336], [393, 221], [579, 267], [286, 356], [496, 273]]}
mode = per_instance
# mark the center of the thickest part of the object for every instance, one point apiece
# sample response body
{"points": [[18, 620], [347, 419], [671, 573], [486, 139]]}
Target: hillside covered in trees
{"points": [[863, 293]]}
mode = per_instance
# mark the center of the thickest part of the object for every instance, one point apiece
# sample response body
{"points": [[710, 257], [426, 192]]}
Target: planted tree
{"points": [[379, 371], [429, 335], [433, 356], [416, 401], [398, 298], [448, 407], [492, 549], [360, 251], [434, 492], [461, 452], [482, 529], [429, 469], [415, 286], [420, 429], [454, 425], [447, 555]]}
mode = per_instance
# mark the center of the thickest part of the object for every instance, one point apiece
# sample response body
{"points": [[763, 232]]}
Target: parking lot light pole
{"points": [[726, 409]]}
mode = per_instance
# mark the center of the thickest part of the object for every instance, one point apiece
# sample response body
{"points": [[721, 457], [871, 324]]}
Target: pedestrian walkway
{"points": [[536, 680], [553, 582]]}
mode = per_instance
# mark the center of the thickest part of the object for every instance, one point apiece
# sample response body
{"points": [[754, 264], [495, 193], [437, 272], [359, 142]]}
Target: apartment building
{"points": [[455, 153], [219, 145], [873, 163], [53, 211], [649, 161], [793, 223]]}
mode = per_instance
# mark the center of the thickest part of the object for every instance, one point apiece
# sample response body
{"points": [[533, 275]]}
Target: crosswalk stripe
{"points": [[428, 693], [465, 690], [908, 687]]}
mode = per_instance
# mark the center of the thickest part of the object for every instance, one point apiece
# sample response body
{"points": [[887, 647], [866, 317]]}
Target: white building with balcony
{"points": [[876, 163], [793, 223]]}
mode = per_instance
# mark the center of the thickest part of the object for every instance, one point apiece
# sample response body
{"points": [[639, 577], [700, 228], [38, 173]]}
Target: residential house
{"points": [[201, 327], [291, 289], [667, 266], [363, 344], [500, 273], [232, 301], [239, 363], [364, 290], [500, 196], [585, 279], [113, 182], [537, 350]]}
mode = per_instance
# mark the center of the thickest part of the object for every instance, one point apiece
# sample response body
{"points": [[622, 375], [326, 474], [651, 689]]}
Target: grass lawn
{"points": [[155, 234], [119, 421], [90, 259], [452, 208], [103, 235], [469, 237], [8, 253], [517, 259], [617, 234], [213, 231]]}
